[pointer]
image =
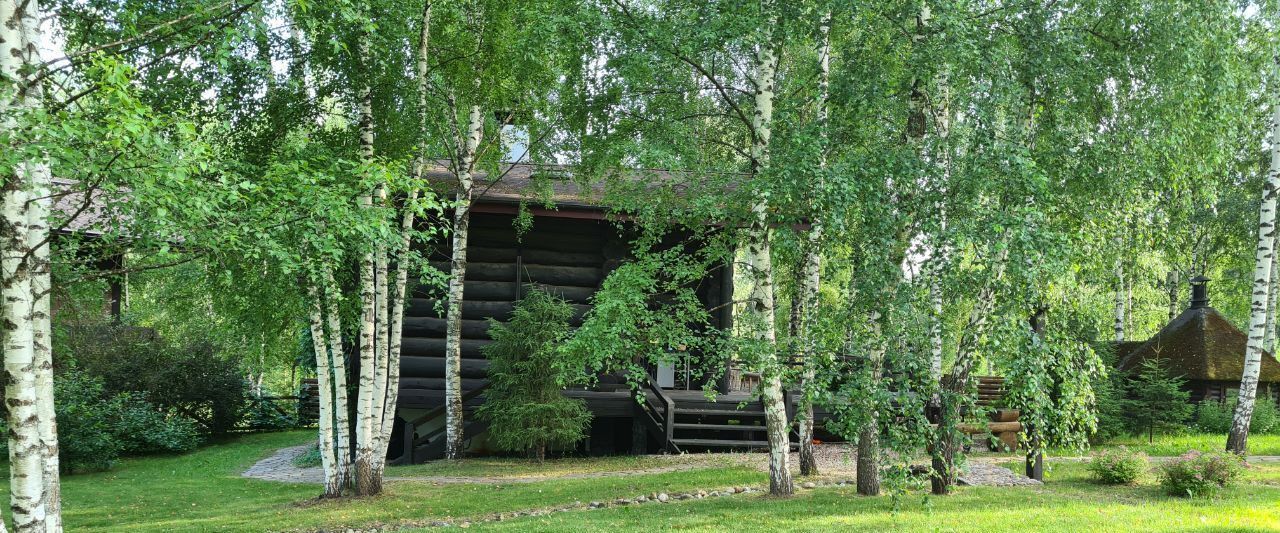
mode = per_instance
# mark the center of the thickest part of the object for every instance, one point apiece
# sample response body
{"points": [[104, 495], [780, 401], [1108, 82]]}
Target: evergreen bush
{"points": [[1157, 400], [527, 372], [1120, 466]]}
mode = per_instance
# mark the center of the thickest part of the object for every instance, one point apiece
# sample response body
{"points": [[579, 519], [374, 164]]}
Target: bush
{"points": [[87, 439], [95, 427], [310, 458], [263, 414], [1120, 466], [1215, 417], [143, 429], [524, 406], [190, 381], [1196, 474]]}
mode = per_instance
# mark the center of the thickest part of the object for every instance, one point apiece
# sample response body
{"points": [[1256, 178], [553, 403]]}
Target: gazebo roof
{"points": [[1201, 345]]}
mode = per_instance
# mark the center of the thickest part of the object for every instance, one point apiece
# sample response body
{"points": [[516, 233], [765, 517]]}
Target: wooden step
{"points": [[718, 427], [719, 443], [718, 412]]}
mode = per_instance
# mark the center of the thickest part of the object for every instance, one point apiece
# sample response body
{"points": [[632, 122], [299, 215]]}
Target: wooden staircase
{"points": [[420, 446], [690, 424]]}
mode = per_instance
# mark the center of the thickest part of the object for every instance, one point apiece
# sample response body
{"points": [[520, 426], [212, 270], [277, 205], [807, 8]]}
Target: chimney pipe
{"points": [[1199, 292]]}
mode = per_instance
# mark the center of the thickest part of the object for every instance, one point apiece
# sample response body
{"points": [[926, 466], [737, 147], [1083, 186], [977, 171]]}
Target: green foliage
{"points": [[1119, 466], [309, 458], [96, 427], [1109, 390], [1195, 474], [527, 371], [1215, 416], [186, 380], [1156, 400]]}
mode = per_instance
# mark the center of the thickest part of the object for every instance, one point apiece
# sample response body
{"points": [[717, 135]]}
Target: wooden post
{"points": [[1035, 456], [726, 319]]}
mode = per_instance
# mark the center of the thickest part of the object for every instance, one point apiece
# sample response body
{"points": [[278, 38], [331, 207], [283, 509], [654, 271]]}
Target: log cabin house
{"points": [[1202, 347], [568, 250]]}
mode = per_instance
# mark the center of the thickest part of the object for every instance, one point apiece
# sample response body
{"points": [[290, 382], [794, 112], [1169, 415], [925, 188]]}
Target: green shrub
{"points": [[1120, 466], [143, 429], [1215, 417], [309, 458], [191, 381], [1197, 474], [87, 437], [523, 405], [263, 414], [95, 427]]}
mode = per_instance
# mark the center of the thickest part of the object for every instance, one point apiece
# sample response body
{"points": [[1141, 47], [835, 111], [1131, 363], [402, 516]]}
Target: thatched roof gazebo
{"points": [[1203, 347]]}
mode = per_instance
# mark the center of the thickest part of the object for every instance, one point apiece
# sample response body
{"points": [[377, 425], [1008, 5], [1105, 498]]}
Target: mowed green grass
{"points": [[203, 491], [1205, 442], [1068, 502]]}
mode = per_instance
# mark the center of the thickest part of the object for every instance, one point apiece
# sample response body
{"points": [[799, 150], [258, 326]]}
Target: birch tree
{"points": [[25, 284], [812, 261], [1238, 437]]}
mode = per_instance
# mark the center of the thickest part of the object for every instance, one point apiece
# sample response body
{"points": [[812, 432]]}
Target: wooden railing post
{"points": [[406, 457]]}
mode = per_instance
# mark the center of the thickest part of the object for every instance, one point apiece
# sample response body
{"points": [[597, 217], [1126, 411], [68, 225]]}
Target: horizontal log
{"points": [[438, 383], [429, 347], [542, 224], [498, 291], [991, 427], [487, 254], [425, 326], [433, 367], [427, 307], [550, 275], [417, 398], [536, 240]]}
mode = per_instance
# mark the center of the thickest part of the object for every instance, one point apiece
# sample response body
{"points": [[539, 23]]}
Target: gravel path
{"points": [[280, 467]]}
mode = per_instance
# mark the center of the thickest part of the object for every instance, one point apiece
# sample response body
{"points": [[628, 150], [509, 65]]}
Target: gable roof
{"points": [[1201, 345]]}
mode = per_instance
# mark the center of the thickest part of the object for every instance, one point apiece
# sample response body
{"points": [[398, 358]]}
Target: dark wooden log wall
{"points": [[567, 256]]}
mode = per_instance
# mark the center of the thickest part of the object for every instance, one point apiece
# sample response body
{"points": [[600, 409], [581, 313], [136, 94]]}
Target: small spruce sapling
{"points": [[1157, 399], [527, 372]]}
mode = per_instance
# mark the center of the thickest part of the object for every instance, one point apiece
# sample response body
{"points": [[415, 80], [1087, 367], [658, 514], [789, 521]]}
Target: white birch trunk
{"points": [[1269, 343], [1172, 286], [341, 409], [457, 280], [957, 382], [324, 382], [760, 309], [868, 466], [1238, 438], [812, 277], [24, 288], [366, 411], [1120, 304], [401, 280]]}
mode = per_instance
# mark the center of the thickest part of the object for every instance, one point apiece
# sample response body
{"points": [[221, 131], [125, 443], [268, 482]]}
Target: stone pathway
{"points": [[990, 475], [280, 467]]}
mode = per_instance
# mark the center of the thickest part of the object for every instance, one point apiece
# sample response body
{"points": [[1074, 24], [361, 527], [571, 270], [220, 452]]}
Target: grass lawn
{"points": [[203, 491], [1179, 444], [1069, 502], [515, 467]]}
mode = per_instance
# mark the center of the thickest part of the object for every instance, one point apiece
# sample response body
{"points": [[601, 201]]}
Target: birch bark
{"points": [[341, 409], [760, 309], [24, 287], [1120, 303], [1238, 438], [1269, 342], [366, 409], [401, 281], [812, 277], [457, 282], [324, 382], [956, 383]]}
